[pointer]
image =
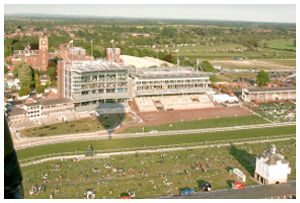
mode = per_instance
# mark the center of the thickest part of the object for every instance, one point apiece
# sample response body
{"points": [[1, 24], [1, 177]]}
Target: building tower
{"points": [[43, 51]]}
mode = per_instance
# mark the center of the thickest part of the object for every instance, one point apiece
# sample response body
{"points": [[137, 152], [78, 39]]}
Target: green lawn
{"points": [[222, 51], [282, 44], [79, 126], [149, 175], [151, 141], [206, 123], [278, 112], [285, 62]]}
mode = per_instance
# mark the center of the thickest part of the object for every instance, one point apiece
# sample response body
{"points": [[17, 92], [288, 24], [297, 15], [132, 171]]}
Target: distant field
{"points": [[150, 175], [285, 62], [282, 44], [79, 126], [152, 141], [272, 64], [206, 123], [229, 51]]}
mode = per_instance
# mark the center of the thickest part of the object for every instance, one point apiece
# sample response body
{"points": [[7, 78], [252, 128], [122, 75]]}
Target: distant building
{"points": [[271, 167], [269, 94], [43, 53], [38, 59], [113, 55], [68, 53]]}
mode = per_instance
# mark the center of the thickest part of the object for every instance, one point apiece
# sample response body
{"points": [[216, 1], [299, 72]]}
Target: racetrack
{"points": [[23, 143]]}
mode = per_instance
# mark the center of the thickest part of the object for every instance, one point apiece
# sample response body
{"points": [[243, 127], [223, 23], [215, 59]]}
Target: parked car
{"points": [[237, 186], [206, 187], [187, 191]]}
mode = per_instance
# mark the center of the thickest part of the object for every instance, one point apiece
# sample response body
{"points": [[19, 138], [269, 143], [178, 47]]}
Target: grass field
{"points": [[79, 126], [278, 112], [227, 51], [149, 175], [282, 44], [197, 124], [285, 62], [151, 141]]}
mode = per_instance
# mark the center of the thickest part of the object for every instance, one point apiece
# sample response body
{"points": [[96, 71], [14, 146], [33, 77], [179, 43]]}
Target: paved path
{"points": [[167, 149], [283, 190], [36, 141]]}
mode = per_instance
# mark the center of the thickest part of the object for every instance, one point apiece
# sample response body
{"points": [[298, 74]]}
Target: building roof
{"points": [[45, 102], [271, 156], [16, 111], [158, 72], [265, 89], [96, 65]]}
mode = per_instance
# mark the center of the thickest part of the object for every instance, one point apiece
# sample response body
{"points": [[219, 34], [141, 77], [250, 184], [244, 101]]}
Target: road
{"points": [[251, 192], [26, 142]]}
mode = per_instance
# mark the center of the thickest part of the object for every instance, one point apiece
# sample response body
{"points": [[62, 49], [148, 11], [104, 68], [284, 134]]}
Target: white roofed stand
{"points": [[271, 167]]}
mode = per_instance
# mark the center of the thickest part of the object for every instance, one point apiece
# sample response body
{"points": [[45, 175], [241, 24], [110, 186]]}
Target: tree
{"points": [[213, 78], [262, 78], [207, 67], [39, 88], [25, 74], [52, 72], [5, 69], [25, 90]]}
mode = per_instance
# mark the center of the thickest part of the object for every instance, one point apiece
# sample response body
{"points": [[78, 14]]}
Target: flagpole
{"points": [[72, 52], [91, 50]]}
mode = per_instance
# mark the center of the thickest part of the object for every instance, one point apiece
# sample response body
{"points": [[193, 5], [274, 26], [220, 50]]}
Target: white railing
{"points": [[145, 149]]}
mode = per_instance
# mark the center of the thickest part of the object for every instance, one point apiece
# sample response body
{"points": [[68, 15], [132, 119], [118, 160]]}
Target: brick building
{"points": [[38, 59]]}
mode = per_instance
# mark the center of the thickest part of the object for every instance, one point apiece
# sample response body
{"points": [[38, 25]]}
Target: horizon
{"points": [[236, 13]]}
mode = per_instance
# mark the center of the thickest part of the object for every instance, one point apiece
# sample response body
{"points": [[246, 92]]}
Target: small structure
{"points": [[240, 175], [89, 151], [271, 167], [269, 94]]}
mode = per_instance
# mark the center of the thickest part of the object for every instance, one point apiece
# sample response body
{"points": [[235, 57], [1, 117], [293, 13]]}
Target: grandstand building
{"points": [[106, 87], [94, 85], [166, 89], [169, 81]]}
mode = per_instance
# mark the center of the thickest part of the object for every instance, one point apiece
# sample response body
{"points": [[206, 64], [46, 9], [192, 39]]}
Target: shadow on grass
{"points": [[244, 158], [110, 115]]}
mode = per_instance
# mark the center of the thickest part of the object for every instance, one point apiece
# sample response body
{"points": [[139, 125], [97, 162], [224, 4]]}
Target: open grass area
{"points": [[282, 44], [152, 141], [278, 112], [231, 50], [78, 126], [285, 62], [149, 175], [197, 124]]}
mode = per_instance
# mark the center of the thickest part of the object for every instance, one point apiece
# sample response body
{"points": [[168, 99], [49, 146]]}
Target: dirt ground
{"points": [[161, 117], [256, 64]]}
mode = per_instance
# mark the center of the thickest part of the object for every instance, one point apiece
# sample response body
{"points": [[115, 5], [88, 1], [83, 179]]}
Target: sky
{"points": [[232, 12]]}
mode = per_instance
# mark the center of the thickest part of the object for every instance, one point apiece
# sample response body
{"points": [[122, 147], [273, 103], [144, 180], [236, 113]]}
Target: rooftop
{"points": [[45, 102], [271, 156], [265, 89], [158, 72], [95, 65], [16, 111]]}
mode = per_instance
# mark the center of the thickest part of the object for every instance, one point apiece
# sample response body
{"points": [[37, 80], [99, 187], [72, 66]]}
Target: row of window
{"points": [[117, 90], [171, 81]]}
